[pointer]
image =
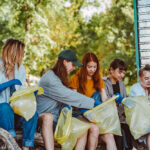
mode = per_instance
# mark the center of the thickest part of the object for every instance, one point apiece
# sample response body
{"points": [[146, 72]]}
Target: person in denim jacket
{"points": [[142, 88], [12, 76]]}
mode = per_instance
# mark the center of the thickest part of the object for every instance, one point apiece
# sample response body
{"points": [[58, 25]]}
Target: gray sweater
{"points": [[56, 95], [110, 93]]}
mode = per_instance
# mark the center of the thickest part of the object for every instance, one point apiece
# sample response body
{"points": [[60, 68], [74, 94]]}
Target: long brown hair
{"points": [[12, 53], [60, 70], [82, 73]]}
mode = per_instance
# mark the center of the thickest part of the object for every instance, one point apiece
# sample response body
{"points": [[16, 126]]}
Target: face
{"points": [[117, 74], [69, 66], [91, 68], [145, 79]]}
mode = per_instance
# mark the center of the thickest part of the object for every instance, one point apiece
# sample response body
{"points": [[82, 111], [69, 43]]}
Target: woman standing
{"points": [[12, 76], [88, 81]]}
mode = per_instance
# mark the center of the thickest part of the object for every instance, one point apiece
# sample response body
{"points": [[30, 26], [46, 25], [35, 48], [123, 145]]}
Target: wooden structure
{"points": [[7, 142], [142, 32]]}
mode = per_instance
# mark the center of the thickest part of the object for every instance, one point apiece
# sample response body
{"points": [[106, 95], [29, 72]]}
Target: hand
{"points": [[14, 82], [83, 110], [97, 102], [69, 107], [119, 99], [35, 92]]}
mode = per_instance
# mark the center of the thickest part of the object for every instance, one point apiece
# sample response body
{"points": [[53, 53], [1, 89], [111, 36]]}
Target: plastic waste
{"points": [[23, 101], [69, 129], [137, 111], [63, 127], [106, 117], [78, 128]]}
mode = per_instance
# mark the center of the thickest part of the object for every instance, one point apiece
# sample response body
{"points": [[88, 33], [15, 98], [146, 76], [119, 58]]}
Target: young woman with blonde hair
{"points": [[12, 76], [88, 81]]}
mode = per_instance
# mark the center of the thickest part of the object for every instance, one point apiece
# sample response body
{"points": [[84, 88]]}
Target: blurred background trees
{"points": [[49, 26]]}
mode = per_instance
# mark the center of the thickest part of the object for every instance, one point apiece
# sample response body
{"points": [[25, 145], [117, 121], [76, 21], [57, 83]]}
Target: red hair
{"points": [[82, 73]]}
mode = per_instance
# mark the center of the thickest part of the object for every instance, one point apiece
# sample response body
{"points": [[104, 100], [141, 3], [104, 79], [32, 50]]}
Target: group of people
{"points": [[83, 91]]}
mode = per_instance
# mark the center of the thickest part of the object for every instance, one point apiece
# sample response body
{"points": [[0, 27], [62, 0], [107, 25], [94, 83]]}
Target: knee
{"points": [[94, 130], [47, 118], [108, 137]]}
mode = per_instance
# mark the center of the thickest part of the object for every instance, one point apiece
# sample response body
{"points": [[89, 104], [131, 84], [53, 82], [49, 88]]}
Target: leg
{"points": [[29, 128], [119, 142], [47, 130], [128, 140], [93, 135], [7, 118], [148, 141], [109, 141], [81, 142]]}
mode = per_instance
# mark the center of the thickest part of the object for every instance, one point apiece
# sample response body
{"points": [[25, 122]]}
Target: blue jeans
{"points": [[7, 119]]}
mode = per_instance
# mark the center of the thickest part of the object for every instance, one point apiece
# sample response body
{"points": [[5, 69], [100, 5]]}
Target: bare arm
{"points": [[103, 95]]}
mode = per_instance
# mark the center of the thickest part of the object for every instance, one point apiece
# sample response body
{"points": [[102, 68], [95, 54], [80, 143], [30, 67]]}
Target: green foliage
{"points": [[49, 26]]}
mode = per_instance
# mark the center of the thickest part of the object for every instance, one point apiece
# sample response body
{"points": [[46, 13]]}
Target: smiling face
{"points": [[69, 66], [117, 74], [91, 68], [145, 79]]}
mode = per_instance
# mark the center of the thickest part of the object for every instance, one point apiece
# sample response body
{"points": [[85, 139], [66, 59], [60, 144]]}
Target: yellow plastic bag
{"points": [[23, 101], [137, 111], [106, 117], [63, 127], [78, 128]]}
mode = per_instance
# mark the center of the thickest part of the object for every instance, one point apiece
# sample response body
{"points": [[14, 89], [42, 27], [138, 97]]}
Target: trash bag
{"points": [[137, 111], [78, 128], [106, 117], [63, 127], [23, 101]]}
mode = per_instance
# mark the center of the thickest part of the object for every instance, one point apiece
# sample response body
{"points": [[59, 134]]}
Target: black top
{"points": [[116, 88]]}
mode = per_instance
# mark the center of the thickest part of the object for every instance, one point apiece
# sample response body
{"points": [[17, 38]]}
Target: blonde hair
{"points": [[12, 53]]}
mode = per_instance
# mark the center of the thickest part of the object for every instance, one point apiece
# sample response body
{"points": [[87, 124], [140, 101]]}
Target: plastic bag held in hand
{"points": [[23, 101], [105, 116], [63, 127], [7, 84]]}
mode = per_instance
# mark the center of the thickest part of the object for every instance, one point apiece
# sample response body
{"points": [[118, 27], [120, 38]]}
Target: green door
{"points": [[142, 32]]}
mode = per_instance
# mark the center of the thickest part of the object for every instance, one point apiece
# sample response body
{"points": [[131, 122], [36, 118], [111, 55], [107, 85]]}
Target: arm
{"points": [[54, 89], [7, 84], [103, 95]]}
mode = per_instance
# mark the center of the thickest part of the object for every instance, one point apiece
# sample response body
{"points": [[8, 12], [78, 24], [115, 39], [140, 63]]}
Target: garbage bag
{"points": [[63, 127], [78, 128], [23, 101], [106, 117], [137, 111]]}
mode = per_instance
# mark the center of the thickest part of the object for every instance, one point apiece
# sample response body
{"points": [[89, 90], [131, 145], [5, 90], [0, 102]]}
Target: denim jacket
{"points": [[19, 74]]}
